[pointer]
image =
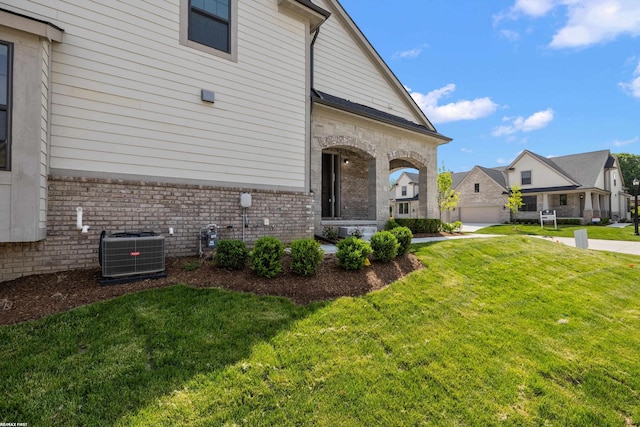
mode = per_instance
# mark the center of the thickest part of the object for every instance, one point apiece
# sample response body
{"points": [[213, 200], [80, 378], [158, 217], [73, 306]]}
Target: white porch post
{"points": [[596, 206], [587, 214], [545, 201]]}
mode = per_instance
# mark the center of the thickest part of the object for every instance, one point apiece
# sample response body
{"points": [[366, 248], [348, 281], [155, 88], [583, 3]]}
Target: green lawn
{"points": [[593, 231], [503, 331]]}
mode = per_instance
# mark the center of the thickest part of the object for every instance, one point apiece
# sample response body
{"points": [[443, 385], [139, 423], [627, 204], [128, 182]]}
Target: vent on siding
{"points": [[132, 253]]}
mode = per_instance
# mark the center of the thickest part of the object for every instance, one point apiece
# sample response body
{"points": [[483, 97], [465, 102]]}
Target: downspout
{"points": [[311, 85]]}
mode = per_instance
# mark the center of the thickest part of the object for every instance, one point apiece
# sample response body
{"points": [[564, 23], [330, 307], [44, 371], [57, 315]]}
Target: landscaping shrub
{"points": [[391, 224], [421, 225], [266, 258], [306, 257], [330, 233], [384, 245], [404, 236], [231, 254], [352, 253], [451, 227]]}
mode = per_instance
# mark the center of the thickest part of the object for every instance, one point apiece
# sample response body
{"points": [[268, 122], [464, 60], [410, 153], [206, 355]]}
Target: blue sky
{"points": [[555, 77]]}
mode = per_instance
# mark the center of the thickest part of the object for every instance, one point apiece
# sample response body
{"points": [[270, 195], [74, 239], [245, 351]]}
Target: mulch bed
{"points": [[33, 297]]}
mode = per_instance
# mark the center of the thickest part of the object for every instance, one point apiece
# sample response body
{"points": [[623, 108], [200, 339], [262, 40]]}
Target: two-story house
{"points": [[579, 186], [405, 196], [159, 115]]}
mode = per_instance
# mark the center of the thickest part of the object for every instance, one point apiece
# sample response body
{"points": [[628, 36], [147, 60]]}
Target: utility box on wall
{"points": [[245, 200]]}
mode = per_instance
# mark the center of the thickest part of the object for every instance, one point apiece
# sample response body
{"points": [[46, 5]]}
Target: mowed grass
{"points": [[501, 331], [593, 231]]}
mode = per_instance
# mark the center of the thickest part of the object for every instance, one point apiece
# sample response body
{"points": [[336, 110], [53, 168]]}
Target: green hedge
{"points": [[420, 225]]}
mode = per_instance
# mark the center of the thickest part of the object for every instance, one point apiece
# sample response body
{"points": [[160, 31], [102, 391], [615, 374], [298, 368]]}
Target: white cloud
{"points": [[535, 121], [466, 150], [617, 143], [510, 35], [588, 22], [598, 21], [535, 8], [454, 111], [633, 87], [503, 161], [413, 53]]}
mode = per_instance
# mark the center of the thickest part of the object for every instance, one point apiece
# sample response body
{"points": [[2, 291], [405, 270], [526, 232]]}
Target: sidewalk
{"points": [[632, 248]]}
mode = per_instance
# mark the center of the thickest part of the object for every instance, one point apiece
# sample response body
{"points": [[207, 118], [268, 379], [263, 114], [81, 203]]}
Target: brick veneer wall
{"points": [[115, 205]]}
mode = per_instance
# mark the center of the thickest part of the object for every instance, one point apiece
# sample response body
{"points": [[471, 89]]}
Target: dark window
{"points": [[209, 23], [563, 200], [530, 204], [403, 208], [6, 52], [403, 189], [476, 188], [525, 177]]}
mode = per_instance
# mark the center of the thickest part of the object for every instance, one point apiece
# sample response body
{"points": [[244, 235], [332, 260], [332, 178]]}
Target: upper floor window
{"points": [[6, 54], [525, 177], [403, 190], [476, 187], [209, 23], [210, 26]]}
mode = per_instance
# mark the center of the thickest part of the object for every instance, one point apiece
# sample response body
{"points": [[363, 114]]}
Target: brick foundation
{"points": [[115, 205]]}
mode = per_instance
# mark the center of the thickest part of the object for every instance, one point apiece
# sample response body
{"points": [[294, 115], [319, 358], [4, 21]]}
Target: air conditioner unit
{"points": [[131, 254]]}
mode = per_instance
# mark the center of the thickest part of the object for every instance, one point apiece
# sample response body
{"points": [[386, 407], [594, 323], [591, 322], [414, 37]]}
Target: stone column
{"points": [[596, 206], [423, 195], [379, 190]]}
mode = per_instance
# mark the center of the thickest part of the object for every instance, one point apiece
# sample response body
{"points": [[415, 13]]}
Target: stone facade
{"points": [[115, 206], [376, 147], [490, 194]]}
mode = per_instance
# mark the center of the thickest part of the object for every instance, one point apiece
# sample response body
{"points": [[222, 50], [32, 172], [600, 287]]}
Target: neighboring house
{"points": [[579, 186], [404, 196], [159, 115]]}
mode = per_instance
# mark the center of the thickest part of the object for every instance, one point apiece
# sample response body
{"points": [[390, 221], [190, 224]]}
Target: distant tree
{"points": [[514, 203], [448, 198], [392, 182], [629, 168]]}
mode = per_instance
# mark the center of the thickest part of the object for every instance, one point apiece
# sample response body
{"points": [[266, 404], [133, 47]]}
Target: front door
{"points": [[330, 187]]}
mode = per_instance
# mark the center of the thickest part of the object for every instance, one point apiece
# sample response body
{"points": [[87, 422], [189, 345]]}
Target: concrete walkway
{"points": [[632, 248]]}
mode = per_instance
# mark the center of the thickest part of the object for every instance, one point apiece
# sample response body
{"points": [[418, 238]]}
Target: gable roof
{"points": [[584, 168], [496, 174], [427, 127]]}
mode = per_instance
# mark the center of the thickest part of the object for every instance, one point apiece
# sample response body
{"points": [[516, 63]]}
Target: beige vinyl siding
{"points": [[542, 175], [343, 68], [126, 95]]}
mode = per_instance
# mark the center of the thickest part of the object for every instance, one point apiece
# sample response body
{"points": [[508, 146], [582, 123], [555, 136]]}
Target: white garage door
{"points": [[486, 214]]}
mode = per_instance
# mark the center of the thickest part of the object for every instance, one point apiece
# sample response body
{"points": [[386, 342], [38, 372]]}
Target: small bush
{"points": [[384, 245], [231, 254], [404, 236], [391, 224], [420, 225], [452, 227], [352, 253], [358, 232], [330, 233], [266, 258], [306, 257]]}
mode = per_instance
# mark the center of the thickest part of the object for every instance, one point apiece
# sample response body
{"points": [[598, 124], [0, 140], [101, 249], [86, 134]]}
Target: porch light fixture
{"points": [[346, 161], [635, 188]]}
